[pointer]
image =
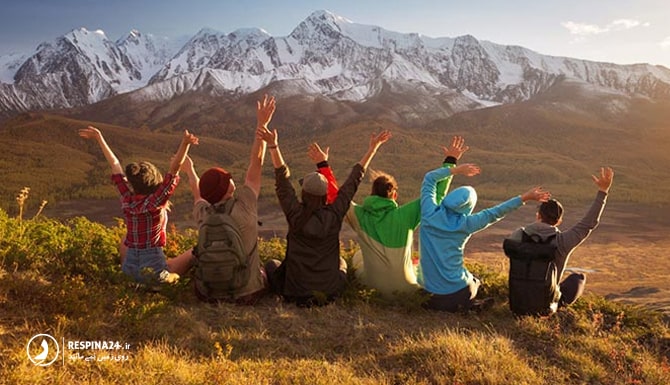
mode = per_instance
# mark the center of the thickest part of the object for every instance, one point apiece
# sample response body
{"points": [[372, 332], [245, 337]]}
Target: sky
{"points": [[616, 31]]}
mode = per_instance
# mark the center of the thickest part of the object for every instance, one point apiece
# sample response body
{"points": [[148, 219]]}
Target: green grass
{"points": [[63, 278]]}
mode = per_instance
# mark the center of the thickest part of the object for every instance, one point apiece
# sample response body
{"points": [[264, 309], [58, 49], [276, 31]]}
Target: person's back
{"points": [[217, 191], [313, 247], [144, 199], [385, 234], [386, 230], [244, 213], [545, 230], [312, 272], [446, 227]]}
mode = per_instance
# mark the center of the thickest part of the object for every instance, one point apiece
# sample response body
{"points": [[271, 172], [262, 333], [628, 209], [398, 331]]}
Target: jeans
{"points": [[145, 265]]}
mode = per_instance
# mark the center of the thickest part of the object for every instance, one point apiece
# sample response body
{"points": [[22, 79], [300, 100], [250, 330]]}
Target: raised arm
{"points": [[451, 156], [572, 237], [91, 132], [376, 140], [320, 158], [270, 137], [429, 199], [186, 141], [285, 192], [265, 109], [193, 179], [487, 217]]}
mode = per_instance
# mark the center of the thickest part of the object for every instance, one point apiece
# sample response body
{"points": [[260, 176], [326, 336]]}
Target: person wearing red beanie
{"points": [[216, 187]]}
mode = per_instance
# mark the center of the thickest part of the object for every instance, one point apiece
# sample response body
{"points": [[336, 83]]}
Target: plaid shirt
{"points": [[146, 215]]}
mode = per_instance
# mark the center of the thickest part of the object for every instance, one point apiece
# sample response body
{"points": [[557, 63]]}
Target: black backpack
{"points": [[222, 264], [533, 276]]}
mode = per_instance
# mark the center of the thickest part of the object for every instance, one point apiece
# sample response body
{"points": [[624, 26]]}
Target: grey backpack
{"points": [[222, 263]]}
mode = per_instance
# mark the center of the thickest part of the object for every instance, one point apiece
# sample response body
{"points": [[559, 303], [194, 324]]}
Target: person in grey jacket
{"points": [[312, 273], [549, 216]]}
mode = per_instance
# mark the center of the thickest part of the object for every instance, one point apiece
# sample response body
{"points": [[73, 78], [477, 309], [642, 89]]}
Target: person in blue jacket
{"points": [[445, 230]]}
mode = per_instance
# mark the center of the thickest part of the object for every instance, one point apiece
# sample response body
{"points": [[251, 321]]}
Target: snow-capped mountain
{"points": [[210, 49], [82, 67], [324, 55]]}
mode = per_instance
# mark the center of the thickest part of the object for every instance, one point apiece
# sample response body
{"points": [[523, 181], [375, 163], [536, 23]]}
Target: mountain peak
{"points": [[245, 33], [325, 15], [82, 31], [208, 32], [324, 23], [133, 36]]}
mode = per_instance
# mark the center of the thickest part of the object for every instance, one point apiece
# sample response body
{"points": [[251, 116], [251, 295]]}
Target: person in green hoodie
{"points": [[385, 229]]}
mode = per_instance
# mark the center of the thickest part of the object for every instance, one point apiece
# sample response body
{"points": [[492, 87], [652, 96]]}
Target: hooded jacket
{"points": [[446, 227], [386, 235]]}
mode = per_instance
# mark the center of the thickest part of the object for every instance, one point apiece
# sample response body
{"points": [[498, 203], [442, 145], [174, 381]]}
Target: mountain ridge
{"points": [[324, 55]]}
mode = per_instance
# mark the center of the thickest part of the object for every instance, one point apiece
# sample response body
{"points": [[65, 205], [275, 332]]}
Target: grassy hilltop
{"points": [[64, 279]]}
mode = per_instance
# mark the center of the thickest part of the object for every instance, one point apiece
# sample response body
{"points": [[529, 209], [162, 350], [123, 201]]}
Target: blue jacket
{"points": [[446, 228]]}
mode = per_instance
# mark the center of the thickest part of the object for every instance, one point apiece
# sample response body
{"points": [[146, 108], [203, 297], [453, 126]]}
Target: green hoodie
{"points": [[386, 234]]}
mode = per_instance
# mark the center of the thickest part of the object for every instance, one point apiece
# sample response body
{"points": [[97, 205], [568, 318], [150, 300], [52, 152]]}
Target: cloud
{"points": [[584, 29], [622, 24], [665, 44]]}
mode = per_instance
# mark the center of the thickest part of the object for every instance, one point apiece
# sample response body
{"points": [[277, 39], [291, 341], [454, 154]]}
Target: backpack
{"points": [[533, 276], [222, 264]]}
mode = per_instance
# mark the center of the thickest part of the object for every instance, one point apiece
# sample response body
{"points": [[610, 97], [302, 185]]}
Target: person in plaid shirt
{"points": [[144, 201]]}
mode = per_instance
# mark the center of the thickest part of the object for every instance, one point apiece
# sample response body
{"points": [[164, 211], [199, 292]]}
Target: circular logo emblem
{"points": [[42, 350]]}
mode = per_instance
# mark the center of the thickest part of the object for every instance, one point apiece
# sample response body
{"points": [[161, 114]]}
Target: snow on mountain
{"points": [[82, 67], [147, 55], [325, 54], [193, 56], [9, 64]]}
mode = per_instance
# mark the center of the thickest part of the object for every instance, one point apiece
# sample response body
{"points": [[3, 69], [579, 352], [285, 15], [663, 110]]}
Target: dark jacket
{"points": [[312, 262], [566, 242]]}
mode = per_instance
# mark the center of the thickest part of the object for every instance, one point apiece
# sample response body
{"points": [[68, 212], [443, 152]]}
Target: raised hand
{"points": [[377, 140], [456, 149], [264, 110], [467, 169], [604, 181], [178, 159], [189, 138], [536, 194], [316, 154], [90, 132], [270, 137]]}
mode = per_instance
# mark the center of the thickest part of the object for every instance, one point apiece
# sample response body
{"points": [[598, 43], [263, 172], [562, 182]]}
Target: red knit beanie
{"points": [[214, 184]]}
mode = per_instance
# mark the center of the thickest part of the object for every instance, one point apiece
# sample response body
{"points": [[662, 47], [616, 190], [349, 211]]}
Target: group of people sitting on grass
{"points": [[226, 261]]}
